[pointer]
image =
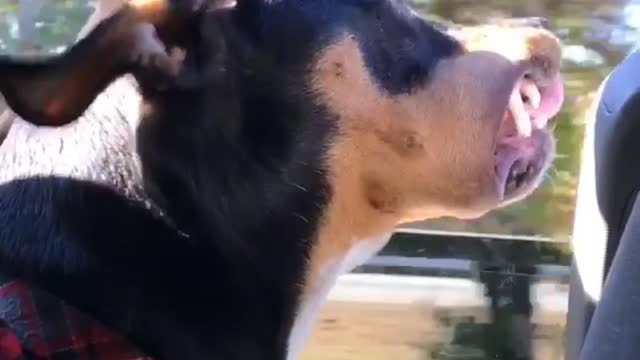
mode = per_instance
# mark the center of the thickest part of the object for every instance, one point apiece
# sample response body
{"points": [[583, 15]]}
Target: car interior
{"points": [[602, 323]]}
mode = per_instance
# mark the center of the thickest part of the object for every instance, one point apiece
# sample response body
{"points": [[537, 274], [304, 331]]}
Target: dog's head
{"points": [[429, 121]]}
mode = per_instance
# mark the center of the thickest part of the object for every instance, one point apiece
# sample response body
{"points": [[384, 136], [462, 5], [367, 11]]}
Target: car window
{"points": [[493, 288]]}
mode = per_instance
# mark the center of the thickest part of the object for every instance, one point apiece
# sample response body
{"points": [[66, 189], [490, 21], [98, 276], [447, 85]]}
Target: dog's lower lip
{"points": [[505, 160], [516, 166], [517, 177]]}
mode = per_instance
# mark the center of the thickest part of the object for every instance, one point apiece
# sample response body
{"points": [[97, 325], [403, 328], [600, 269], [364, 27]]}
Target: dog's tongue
{"points": [[531, 106], [551, 102]]}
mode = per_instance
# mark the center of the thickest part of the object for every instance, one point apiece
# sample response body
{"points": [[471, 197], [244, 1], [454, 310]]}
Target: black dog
{"points": [[279, 151]]}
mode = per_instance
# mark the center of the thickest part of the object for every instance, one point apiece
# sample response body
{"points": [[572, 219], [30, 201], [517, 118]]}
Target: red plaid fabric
{"points": [[36, 326]]}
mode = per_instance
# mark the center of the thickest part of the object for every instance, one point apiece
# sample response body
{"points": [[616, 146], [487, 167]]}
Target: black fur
{"points": [[234, 162]]}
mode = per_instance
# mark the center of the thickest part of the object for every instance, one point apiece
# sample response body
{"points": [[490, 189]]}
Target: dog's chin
{"points": [[521, 156], [506, 192]]}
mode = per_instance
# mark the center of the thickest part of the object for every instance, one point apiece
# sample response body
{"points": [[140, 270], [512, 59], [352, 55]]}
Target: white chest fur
{"points": [[357, 255]]}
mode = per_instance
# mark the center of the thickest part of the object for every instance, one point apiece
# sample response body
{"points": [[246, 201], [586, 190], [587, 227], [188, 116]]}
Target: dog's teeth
{"points": [[531, 91], [540, 123], [520, 115]]}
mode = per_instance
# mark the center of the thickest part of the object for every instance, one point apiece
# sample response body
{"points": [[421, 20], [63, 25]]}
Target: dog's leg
{"points": [[57, 90]]}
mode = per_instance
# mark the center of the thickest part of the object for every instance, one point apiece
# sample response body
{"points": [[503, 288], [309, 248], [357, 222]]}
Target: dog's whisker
{"points": [[301, 218], [551, 180], [300, 187]]}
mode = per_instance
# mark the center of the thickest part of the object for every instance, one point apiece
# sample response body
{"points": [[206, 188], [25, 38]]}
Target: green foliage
{"points": [[58, 23]]}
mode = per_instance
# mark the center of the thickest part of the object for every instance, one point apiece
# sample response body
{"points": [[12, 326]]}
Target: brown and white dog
{"points": [[279, 149]]}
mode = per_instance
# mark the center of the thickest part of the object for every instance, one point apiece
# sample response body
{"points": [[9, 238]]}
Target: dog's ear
{"points": [[57, 90]]}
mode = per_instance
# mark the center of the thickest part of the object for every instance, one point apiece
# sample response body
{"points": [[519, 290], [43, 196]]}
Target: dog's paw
{"points": [[149, 52], [153, 63]]}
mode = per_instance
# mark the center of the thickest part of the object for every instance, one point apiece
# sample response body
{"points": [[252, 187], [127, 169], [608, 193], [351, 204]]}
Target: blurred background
{"points": [[494, 288]]}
